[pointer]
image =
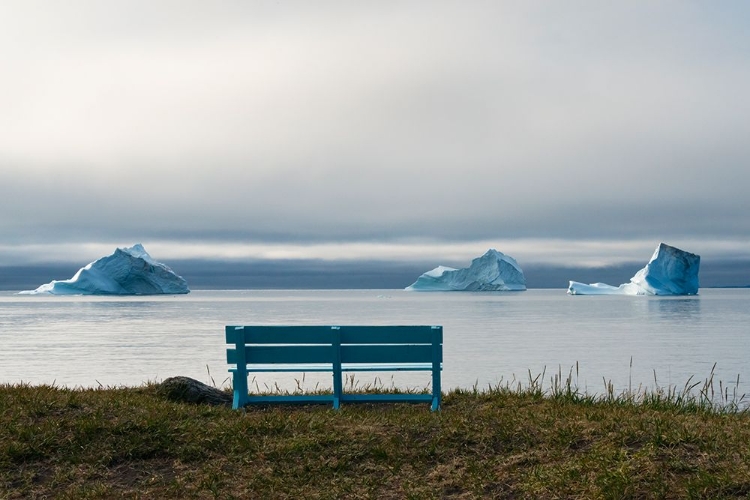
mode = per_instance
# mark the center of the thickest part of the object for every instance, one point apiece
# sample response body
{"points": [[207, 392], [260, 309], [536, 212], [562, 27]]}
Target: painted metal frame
{"points": [[335, 349]]}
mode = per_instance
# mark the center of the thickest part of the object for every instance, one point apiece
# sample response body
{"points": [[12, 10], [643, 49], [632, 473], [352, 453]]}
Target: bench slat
{"points": [[291, 398], [388, 368], [386, 397], [275, 334], [419, 334], [319, 369], [289, 369], [288, 354], [350, 334], [369, 354]]}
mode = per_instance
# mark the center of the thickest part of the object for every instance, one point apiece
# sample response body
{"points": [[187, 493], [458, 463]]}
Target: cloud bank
{"points": [[298, 125]]}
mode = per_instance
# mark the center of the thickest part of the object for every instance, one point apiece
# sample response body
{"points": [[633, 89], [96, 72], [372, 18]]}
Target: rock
{"points": [[189, 390]]}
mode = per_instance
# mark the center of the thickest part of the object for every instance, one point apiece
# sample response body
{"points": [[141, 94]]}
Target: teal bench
{"points": [[335, 349]]}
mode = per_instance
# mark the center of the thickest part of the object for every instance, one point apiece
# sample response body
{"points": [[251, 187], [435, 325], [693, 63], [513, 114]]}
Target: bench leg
{"points": [[437, 358], [337, 389], [436, 388], [336, 366], [239, 384]]}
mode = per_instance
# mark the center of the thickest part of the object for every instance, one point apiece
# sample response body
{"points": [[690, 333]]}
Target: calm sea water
{"points": [[490, 338]]}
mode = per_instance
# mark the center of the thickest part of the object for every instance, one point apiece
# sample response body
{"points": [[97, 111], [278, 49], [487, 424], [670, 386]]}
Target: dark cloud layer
{"points": [[339, 121], [315, 274]]}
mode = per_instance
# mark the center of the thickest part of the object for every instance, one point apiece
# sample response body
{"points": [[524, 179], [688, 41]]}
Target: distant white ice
{"points": [[670, 271], [128, 271], [493, 271]]}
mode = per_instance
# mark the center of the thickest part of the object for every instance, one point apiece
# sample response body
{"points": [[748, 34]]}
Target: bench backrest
{"points": [[350, 345]]}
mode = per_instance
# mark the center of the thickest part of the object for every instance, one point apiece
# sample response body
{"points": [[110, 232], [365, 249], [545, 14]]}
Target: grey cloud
{"points": [[350, 122], [315, 274]]}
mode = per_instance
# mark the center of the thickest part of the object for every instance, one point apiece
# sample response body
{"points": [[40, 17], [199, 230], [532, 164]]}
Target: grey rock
{"points": [[189, 390]]}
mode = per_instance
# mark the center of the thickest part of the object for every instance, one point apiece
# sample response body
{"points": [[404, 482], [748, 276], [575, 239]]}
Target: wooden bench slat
{"points": [[413, 367], [318, 369], [275, 334], [419, 334], [368, 354], [349, 334], [291, 369], [386, 397], [288, 354], [363, 354], [291, 398]]}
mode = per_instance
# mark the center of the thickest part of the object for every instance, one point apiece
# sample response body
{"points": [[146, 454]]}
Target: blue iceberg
{"points": [[670, 271], [128, 271], [493, 271]]}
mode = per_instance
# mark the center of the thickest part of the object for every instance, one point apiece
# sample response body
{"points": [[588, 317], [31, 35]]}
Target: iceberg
{"points": [[493, 271], [670, 271], [128, 271]]}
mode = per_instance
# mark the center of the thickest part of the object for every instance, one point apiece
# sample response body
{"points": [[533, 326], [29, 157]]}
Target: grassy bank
{"points": [[503, 443]]}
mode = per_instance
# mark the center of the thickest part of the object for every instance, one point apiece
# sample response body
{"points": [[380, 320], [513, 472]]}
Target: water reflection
{"points": [[676, 308]]}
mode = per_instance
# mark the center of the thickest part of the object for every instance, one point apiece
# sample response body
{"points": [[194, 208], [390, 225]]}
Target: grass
{"points": [[508, 441]]}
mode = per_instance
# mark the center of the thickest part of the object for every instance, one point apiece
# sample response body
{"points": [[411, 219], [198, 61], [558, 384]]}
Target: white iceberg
{"points": [[128, 271], [493, 271], [670, 271]]}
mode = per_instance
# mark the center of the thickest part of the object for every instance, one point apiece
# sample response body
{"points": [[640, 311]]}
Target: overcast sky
{"points": [[579, 132]]}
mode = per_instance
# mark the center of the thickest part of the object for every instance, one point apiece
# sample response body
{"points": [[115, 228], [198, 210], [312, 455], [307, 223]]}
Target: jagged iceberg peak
{"points": [[670, 271], [128, 271], [493, 271]]}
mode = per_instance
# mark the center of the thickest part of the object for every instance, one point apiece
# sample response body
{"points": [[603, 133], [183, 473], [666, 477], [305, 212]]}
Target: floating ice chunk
{"points": [[670, 271], [128, 271], [603, 289], [493, 271]]}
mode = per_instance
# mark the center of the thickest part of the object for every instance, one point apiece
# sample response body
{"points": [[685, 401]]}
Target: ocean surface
{"points": [[489, 338]]}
